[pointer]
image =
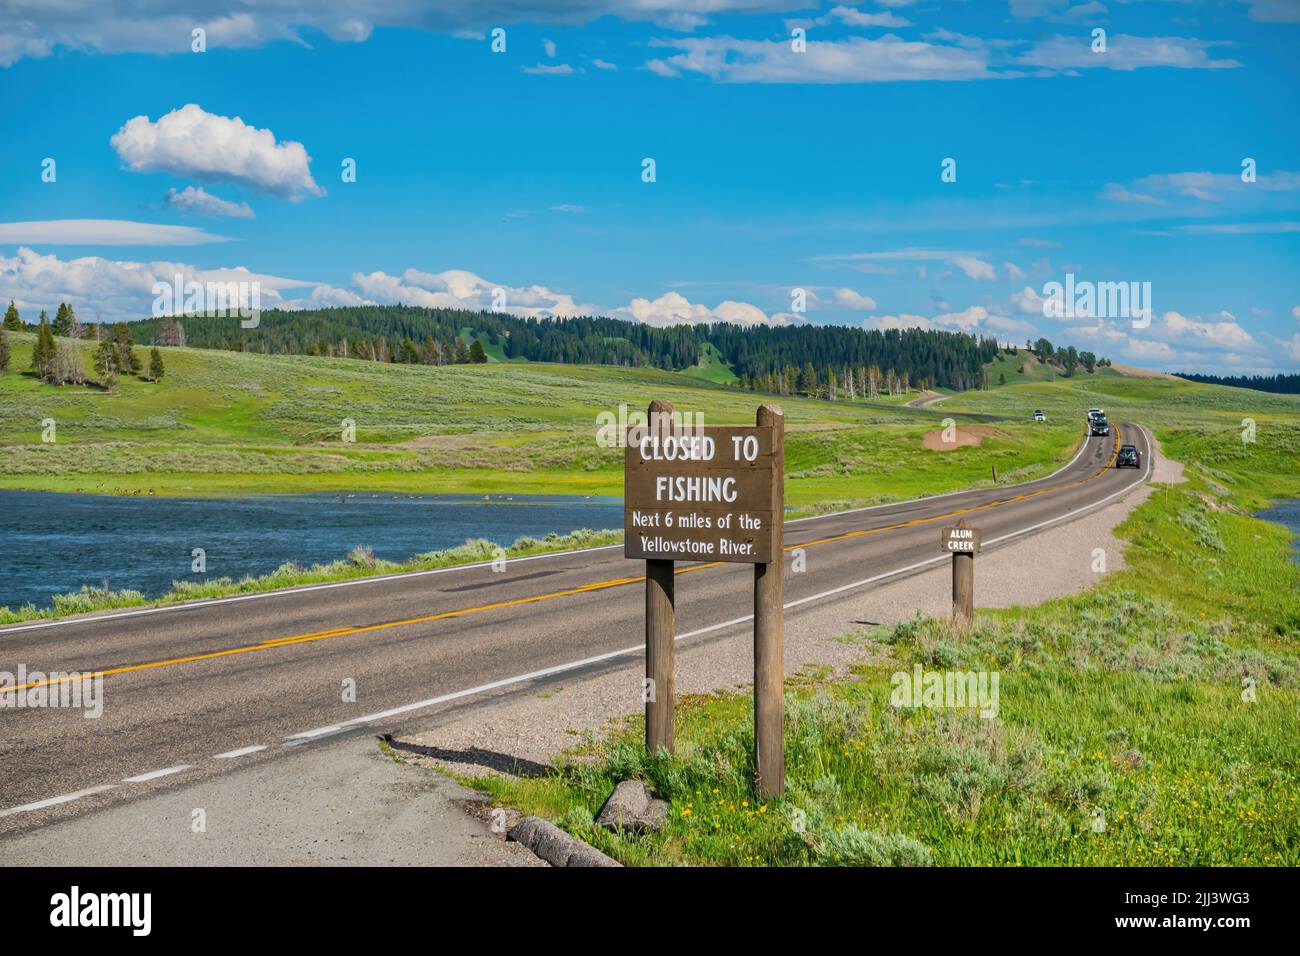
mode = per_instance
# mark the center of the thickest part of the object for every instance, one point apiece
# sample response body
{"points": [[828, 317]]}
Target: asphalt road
{"points": [[213, 685]]}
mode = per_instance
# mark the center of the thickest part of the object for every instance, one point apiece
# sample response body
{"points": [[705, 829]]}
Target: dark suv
{"points": [[1128, 457]]}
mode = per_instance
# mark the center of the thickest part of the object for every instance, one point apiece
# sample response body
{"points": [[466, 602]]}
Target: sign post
{"points": [[660, 625], [769, 634], [963, 543], [715, 494]]}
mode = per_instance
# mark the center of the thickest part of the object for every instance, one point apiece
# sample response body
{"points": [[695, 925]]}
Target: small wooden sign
{"points": [[703, 493], [960, 540]]}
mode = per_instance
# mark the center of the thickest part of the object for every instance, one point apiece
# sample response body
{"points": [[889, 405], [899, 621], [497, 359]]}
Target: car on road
{"points": [[1098, 426], [1128, 457], [1096, 413], [1039, 416]]}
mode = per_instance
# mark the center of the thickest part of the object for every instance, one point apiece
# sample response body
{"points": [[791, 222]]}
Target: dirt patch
{"points": [[958, 437], [1132, 372]]}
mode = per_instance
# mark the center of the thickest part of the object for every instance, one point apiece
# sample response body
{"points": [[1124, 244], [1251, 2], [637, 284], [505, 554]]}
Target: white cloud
{"points": [[199, 200], [604, 65], [549, 47], [851, 17], [547, 69], [1123, 52], [568, 207], [103, 232], [968, 262], [1028, 301], [1117, 193], [1239, 228], [459, 289], [901, 321], [193, 143], [1274, 11], [974, 268], [1225, 333], [851, 60], [110, 289], [1014, 272], [1295, 312], [29, 29], [673, 308], [854, 300]]}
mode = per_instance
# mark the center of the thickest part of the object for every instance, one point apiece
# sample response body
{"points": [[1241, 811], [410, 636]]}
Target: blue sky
{"points": [[775, 169]]}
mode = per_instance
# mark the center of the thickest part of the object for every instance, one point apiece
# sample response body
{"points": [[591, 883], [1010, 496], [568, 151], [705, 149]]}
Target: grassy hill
{"points": [[712, 367], [229, 423]]}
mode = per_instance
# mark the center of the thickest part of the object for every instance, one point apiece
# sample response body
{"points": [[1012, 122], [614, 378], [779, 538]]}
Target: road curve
{"points": [[210, 685]]}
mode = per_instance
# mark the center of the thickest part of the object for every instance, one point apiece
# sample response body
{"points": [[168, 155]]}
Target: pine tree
{"points": [[127, 361], [462, 352], [476, 353], [155, 365], [4, 348], [43, 350], [12, 322], [63, 320]]}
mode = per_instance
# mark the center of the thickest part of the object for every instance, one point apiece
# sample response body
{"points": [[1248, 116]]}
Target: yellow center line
{"points": [[515, 602]]}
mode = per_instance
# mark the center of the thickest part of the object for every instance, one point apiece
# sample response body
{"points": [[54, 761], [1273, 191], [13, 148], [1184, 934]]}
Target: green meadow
{"points": [[226, 423]]}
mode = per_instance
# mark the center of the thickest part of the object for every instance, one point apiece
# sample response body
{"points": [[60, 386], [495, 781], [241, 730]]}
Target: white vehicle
{"points": [[1039, 417], [1096, 413]]}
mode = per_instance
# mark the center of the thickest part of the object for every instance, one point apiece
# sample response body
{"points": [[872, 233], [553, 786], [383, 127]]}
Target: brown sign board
{"points": [[960, 540], [703, 493]]}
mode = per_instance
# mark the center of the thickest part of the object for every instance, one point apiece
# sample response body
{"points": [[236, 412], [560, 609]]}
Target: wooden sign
{"points": [[711, 494], [960, 540], [702, 493], [963, 542]]}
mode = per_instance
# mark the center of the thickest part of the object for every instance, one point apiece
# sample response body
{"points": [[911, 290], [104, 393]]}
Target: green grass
{"points": [[712, 367], [1126, 732], [1010, 367], [224, 423]]}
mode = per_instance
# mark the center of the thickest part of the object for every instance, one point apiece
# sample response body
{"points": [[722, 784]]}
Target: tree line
{"points": [[1282, 384], [759, 356]]}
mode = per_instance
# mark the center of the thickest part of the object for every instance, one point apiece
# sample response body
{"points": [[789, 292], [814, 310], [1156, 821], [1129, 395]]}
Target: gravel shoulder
{"points": [[531, 730]]}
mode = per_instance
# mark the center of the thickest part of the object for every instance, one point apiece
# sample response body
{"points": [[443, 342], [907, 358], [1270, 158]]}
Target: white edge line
{"points": [[155, 774], [283, 592], [241, 752], [55, 801], [609, 655], [318, 732]]}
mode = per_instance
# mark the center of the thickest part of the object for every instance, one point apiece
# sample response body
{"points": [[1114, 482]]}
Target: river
{"points": [[54, 543]]}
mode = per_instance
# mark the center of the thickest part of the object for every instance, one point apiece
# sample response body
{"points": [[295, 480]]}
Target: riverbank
{"points": [[360, 563]]}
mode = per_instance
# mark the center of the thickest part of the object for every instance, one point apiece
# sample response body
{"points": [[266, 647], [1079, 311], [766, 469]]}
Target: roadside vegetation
{"points": [[360, 563], [1148, 721]]}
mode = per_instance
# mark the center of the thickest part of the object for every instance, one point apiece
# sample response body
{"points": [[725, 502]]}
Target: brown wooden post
{"points": [[660, 627], [963, 585], [769, 633]]}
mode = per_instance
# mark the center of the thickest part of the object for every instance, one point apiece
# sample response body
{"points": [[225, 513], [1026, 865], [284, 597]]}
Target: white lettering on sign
{"points": [[678, 448], [694, 488], [961, 540]]}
